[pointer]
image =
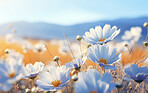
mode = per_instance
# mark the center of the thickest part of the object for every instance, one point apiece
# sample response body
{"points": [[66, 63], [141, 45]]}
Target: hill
{"points": [[42, 30]]}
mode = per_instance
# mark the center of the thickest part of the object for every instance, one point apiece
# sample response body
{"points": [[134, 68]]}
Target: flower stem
{"points": [[67, 89], [80, 47], [32, 83], [69, 46], [48, 51], [58, 63]]}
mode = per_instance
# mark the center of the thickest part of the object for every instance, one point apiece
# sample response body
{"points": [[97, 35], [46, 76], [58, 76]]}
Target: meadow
{"points": [[90, 64]]}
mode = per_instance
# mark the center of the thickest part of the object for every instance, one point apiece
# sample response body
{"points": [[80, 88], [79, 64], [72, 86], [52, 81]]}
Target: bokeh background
{"points": [[24, 23], [50, 19]]}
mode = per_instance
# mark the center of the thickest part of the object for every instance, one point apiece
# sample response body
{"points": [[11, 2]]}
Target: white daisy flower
{"points": [[54, 78], [100, 36], [40, 48], [133, 35], [27, 46], [98, 83], [10, 72], [31, 71], [76, 63], [104, 55]]}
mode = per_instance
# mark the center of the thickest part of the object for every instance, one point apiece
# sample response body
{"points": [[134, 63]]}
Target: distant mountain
{"points": [[42, 30]]}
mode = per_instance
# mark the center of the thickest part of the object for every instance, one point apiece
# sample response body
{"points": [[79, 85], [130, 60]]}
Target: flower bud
{"points": [[74, 77], [34, 89], [119, 84], [79, 38], [145, 24], [56, 58], [27, 90], [88, 46], [7, 51], [126, 45], [145, 44]]}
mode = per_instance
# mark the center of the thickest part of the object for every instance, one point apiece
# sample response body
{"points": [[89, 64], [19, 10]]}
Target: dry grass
{"points": [[32, 57]]}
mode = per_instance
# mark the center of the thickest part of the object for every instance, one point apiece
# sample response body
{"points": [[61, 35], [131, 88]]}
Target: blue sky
{"points": [[68, 12]]}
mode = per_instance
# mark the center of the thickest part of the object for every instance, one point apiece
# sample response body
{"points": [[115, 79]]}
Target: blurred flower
{"points": [[133, 35], [10, 72], [145, 43], [31, 71], [100, 36], [27, 46], [119, 84], [40, 48], [12, 55], [123, 46], [27, 90], [79, 38], [138, 74], [145, 24], [98, 84], [104, 56], [54, 78], [74, 77], [76, 63], [7, 51], [11, 38], [56, 58], [34, 89]]}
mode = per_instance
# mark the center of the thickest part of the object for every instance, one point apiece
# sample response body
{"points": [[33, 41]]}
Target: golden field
{"points": [[46, 57]]}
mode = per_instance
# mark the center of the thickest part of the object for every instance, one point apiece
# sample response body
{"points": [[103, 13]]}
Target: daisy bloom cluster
{"points": [[107, 75]]}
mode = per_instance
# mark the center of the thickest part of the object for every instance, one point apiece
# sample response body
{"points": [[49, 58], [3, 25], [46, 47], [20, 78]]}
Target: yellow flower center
{"points": [[101, 40], [93, 91], [11, 75], [103, 60], [56, 83]]}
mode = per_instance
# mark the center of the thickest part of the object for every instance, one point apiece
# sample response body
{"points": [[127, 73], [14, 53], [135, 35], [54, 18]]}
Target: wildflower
{"points": [[56, 58], [138, 74], [98, 84], [74, 77], [27, 90], [27, 46], [145, 24], [34, 89], [79, 38], [11, 38], [31, 71], [123, 46], [100, 36], [7, 51], [88, 46], [119, 84], [133, 35], [40, 48], [76, 63], [13, 55], [54, 78], [10, 72], [104, 56], [145, 43]]}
